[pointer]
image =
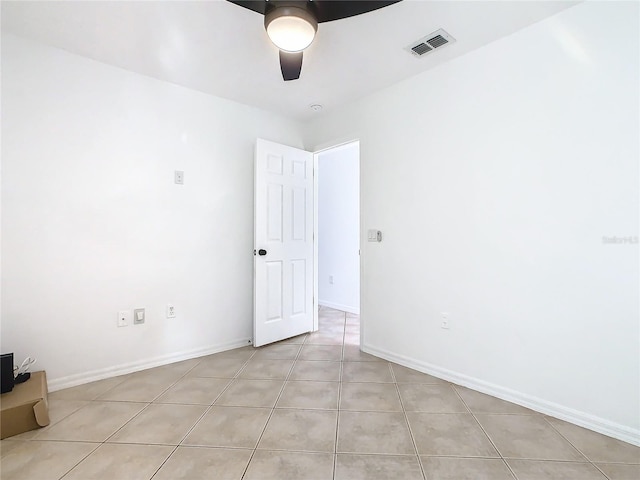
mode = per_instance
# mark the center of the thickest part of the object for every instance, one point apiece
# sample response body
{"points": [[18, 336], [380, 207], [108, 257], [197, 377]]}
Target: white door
{"points": [[283, 256]]}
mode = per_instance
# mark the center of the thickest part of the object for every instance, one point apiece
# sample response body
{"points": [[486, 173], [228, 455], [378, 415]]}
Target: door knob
{"points": [[262, 252]]}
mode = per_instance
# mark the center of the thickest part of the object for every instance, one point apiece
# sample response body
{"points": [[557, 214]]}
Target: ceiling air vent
{"points": [[427, 44], [421, 48]]}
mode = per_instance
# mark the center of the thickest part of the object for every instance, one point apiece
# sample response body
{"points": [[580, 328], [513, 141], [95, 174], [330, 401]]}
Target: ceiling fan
{"points": [[292, 24]]}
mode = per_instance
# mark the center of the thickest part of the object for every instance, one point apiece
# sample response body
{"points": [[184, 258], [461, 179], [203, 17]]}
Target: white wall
{"points": [[339, 228], [494, 178], [92, 222]]}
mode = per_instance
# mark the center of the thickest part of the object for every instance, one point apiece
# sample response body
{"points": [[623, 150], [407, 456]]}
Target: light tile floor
{"points": [[311, 407]]}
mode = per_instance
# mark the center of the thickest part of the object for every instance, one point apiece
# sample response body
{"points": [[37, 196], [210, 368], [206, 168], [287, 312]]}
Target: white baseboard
{"points": [[123, 369], [582, 419], [342, 308]]}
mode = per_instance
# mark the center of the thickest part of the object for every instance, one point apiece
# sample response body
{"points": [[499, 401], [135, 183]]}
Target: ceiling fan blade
{"points": [[259, 6], [290, 64], [328, 10]]}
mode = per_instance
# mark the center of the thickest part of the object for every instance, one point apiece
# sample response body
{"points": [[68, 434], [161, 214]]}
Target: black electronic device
{"points": [[6, 372]]}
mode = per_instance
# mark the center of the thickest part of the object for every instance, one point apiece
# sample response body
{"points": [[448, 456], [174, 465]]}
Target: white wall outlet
{"points": [[445, 320], [178, 177], [171, 311], [138, 316], [124, 318], [331, 279]]}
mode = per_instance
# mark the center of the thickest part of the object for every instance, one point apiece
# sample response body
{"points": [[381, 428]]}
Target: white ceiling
{"points": [[222, 49]]}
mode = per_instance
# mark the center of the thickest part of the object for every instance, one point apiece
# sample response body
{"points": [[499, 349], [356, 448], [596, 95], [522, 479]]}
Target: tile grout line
{"points": [[96, 399], [165, 390], [273, 409], [210, 407], [485, 432], [79, 461], [88, 401], [35, 437], [337, 436], [207, 410], [165, 461], [162, 393], [600, 470], [406, 419], [577, 449], [103, 442], [148, 403]]}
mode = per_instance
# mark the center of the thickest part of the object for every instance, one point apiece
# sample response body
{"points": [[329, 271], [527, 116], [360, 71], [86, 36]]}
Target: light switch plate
{"points": [[374, 235], [138, 316]]}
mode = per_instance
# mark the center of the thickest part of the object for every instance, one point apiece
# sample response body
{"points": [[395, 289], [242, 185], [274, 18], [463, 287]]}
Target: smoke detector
{"points": [[429, 43]]}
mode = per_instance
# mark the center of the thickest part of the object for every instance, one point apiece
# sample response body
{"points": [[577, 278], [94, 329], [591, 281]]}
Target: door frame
{"points": [[316, 153]]}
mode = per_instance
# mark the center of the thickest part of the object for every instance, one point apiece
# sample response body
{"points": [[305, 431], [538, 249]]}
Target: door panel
{"points": [[274, 291], [274, 212], [283, 290], [299, 287], [298, 214]]}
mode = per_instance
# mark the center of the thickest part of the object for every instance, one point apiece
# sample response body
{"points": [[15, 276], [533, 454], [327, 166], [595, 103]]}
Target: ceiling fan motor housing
{"points": [[288, 17]]}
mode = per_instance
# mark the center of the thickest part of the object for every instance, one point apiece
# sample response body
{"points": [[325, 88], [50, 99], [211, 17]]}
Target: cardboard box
{"points": [[25, 407]]}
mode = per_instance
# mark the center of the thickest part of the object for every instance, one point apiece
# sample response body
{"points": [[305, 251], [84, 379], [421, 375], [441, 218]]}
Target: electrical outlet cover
{"points": [[171, 311], [124, 318]]}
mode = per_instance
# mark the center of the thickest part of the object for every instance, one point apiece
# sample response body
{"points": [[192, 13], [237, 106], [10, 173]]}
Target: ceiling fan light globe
{"points": [[291, 29]]}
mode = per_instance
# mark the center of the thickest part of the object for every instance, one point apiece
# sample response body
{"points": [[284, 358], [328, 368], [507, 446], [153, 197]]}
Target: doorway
{"points": [[307, 210], [338, 228]]}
